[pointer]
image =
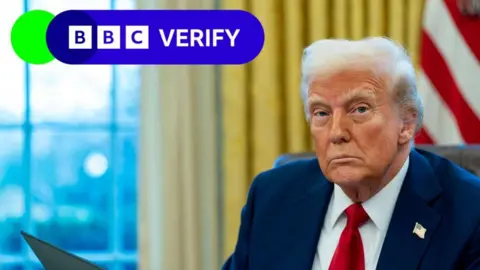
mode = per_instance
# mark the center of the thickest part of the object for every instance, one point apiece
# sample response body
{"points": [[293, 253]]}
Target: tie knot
{"points": [[356, 215]]}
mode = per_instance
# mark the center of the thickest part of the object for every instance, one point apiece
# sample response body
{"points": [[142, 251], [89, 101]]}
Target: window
{"points": [[68, 144]]}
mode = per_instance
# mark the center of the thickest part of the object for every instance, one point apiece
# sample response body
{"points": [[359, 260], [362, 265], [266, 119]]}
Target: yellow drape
{"points": [[261, 108]]}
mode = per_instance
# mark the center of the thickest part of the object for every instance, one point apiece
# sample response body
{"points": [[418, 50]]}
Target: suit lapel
{"points": [[402, 248], [300, 222]]}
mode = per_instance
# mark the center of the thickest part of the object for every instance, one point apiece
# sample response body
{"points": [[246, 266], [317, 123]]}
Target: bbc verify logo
{"points": [[108, 37], [138, 37]]}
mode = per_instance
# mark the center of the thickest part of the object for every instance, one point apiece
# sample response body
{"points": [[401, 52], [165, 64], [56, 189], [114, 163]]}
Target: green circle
{"points": [[29, 37]]}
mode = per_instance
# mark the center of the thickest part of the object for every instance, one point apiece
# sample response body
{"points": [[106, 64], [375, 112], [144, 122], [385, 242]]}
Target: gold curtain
{"points": [[262, 110]]}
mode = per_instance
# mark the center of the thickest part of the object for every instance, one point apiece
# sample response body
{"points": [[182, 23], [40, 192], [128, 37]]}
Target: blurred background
{"points": [[148, 167]]}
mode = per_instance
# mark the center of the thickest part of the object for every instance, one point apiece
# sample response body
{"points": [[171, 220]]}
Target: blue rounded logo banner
{"points": [[155, 37]]}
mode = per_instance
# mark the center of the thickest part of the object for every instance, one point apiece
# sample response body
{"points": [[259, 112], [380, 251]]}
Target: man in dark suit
{"points": [[369, 200]]}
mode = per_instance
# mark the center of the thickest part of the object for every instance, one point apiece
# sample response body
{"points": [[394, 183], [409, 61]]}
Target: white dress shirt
{"points": [[379, 208]]}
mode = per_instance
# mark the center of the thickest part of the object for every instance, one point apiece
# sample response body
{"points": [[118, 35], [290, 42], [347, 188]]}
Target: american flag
{"points": [[449, 76]]}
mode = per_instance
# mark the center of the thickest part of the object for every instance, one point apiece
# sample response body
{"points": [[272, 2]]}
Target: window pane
{"points": [[125, 4], [13, 267], [12, 196], [73, 189], [126, 175], [12, 69], [129, 266], [57, 6], [64, 93], [38, 267], [128, 88]]}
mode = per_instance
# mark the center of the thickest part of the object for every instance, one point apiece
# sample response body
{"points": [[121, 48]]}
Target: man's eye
{"points": [[361, 109], [321, 113]]}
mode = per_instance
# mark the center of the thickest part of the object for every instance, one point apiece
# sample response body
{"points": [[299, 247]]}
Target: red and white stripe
{"points": [[449, 78]]}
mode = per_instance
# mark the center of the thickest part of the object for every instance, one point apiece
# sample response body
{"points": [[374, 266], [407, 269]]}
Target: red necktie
{"points": [[349, 253]]}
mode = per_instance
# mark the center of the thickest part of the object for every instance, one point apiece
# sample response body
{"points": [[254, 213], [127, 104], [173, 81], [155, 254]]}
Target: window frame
{"points": [[114, 256]]}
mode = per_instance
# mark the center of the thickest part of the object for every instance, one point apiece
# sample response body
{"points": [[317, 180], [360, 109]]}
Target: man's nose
{"points": [[339, 129]]}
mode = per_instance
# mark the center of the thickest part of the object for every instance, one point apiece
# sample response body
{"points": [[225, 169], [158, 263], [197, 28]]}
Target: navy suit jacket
{"points": [[282, 219]]}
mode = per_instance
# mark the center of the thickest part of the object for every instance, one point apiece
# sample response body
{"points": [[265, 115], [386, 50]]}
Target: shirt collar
{"points": [[379, 208]]}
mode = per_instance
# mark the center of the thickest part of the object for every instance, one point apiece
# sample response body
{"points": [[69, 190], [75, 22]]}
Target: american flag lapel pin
{"points": [[419, 230]]}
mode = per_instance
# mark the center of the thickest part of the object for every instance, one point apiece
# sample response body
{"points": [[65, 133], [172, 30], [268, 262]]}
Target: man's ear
{"points": [[407, 132]]}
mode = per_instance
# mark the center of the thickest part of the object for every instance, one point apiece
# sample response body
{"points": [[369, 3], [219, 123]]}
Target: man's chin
{"points": [[346, 176]]}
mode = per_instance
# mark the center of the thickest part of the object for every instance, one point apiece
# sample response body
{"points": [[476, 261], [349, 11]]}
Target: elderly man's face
{"points": [[356, 126]]}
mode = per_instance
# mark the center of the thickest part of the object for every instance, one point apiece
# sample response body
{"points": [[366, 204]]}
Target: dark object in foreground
{"points": [[54, 258]]}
